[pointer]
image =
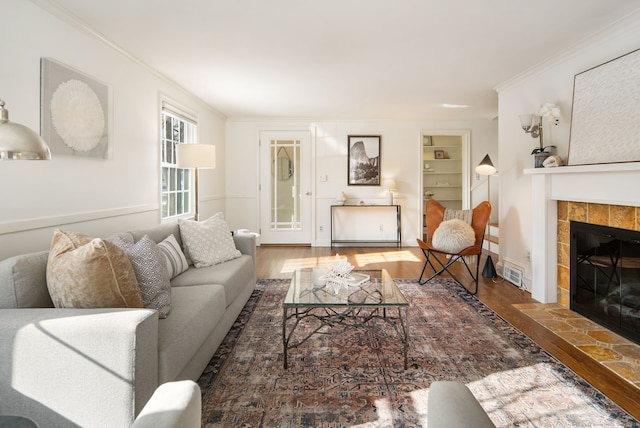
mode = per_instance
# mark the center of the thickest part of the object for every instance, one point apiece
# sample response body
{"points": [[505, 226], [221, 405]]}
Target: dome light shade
{"points": [[17, 142], [486, 166]]}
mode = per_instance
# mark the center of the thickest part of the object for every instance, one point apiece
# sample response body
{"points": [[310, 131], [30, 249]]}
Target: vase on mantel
{"points": [[539, 159]]}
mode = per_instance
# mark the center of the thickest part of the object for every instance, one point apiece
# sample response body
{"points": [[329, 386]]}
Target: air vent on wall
{"points": [[513, 274]]}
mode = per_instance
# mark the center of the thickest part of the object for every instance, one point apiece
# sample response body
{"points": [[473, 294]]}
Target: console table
{"points": [[365, 224]]}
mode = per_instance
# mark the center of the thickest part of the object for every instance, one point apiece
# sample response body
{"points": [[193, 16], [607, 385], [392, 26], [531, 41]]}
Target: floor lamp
{"points": [[486, 168], [196, 156]]}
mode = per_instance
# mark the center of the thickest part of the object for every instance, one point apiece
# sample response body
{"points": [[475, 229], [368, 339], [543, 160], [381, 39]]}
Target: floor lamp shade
{"points": [[17, 142], [197, 156]]}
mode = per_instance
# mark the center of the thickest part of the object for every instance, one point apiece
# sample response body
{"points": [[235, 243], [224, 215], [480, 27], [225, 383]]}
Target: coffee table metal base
{"points": [[347, 317]]}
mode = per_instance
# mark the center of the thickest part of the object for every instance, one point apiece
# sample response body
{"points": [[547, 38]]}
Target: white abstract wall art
{"points": [[604, 120], [74, 112]]}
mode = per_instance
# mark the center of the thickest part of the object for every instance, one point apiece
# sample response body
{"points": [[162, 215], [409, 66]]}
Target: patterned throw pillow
{"points": [[90, 273], [149, 266], [209, 242], [175, 260]]}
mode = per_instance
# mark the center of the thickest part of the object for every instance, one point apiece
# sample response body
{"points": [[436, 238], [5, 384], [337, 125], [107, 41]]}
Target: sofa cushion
{"points": [[195, 312], [233, 275], [90, 273], [23, 281], [208, 242], [174, 258], [149, 266]]}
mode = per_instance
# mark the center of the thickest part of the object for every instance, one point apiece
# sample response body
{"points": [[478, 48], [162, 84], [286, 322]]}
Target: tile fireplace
{"points": [[606, 194]]}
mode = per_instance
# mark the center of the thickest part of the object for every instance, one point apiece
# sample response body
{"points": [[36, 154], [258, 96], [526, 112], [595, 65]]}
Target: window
{"points": [[176, 190]]}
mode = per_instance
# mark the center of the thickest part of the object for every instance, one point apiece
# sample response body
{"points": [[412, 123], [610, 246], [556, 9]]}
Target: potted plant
{"points": [[551, 112]]}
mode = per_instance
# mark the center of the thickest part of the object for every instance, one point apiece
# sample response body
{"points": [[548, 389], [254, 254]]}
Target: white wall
{"points": [[401, 158], [550, 82], [97, 197]]}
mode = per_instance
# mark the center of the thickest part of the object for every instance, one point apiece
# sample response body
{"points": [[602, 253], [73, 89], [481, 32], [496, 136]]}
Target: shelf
{"points": [[441, 172], [444, 199], [442, 187]]}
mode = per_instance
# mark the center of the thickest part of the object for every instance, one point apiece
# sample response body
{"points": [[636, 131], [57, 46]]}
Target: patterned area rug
{"points": [[350, 378]]}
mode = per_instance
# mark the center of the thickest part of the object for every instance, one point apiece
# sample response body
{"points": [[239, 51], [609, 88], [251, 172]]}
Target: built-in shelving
{"points": [[442, 169]]}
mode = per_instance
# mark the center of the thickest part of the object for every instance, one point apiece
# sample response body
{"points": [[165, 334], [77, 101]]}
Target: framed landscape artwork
{"points": [[363, 160]]}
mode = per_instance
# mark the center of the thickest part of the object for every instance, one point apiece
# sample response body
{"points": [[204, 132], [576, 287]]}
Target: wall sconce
{"points": [[532, 124]]}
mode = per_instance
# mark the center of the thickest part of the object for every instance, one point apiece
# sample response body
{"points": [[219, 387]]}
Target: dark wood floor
{"points": [[281, 261]]}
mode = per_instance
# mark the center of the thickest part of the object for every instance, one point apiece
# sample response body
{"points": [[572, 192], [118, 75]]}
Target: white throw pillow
{"points": [[174, 258], [209, 242], [453, 236]]}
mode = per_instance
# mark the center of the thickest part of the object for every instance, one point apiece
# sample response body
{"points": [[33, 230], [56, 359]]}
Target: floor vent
{"points": [[513, 274]]}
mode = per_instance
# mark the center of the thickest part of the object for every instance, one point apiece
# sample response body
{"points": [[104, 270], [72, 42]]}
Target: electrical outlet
{"points": [[528, 256], [321, 228], [381, 228]]}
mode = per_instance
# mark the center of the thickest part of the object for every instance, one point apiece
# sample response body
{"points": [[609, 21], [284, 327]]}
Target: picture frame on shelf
{"points": [[363, 160], [438, 154], [427, 140]]}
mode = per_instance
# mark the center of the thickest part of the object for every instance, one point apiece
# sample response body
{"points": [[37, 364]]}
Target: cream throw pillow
{"points": [[90, 273], [453, 236], [209, 242], [175, 261]]}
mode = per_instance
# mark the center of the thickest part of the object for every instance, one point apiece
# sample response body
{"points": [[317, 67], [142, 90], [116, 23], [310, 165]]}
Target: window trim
{"points": [[175, 111]]}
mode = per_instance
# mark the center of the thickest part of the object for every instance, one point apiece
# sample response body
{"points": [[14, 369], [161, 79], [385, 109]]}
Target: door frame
{"points": [[311, 130]]}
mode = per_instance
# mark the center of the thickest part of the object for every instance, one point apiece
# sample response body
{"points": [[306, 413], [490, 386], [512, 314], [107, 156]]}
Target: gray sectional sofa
{"points": [[99, 367]]}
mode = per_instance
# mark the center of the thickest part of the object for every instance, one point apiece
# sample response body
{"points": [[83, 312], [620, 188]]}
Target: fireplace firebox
{"points": [[605, 276]]}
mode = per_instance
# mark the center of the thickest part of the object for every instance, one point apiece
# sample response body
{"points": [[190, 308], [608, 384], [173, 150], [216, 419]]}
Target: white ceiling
{"points": [[345, 59]]}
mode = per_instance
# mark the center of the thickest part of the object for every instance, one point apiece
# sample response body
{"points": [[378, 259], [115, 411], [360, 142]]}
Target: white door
{"points": [[285, 187]]}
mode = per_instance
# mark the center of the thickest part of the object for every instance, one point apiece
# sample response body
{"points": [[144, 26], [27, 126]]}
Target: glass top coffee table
{"points": [[360, 306]]}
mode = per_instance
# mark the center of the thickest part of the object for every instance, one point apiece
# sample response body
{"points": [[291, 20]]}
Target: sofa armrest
{"points": [[173, 405], [246, 243], [77, 367], [451, 404]]}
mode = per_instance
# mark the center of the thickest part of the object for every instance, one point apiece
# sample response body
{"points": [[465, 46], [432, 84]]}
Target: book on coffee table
{"points": [[358, 278]]}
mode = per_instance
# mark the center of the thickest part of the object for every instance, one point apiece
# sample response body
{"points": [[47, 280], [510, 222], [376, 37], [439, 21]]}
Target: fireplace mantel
{"points": [[614, 184]]}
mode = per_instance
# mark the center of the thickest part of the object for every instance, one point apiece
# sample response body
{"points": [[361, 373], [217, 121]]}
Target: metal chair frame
{"points": [[434, 213]]}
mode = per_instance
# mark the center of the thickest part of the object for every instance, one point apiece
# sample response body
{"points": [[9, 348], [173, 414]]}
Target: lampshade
{"points": [[526, 120], [17, 142], [196, 156], [486, 166], [390, 184]]}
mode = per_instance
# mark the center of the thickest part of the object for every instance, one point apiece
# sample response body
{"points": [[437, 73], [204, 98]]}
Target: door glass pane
{"points": [[285, 185]]}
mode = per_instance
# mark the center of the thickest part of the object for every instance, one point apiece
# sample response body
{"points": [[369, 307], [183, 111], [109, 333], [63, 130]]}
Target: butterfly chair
{"points": [[435, 215]]}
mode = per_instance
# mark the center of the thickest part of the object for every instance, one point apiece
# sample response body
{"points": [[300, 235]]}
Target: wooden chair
{"points": [[434, 213]]}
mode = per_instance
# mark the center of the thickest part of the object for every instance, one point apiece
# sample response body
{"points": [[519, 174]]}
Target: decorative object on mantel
{"points": [[428, 194], [532, 124], [486, 168], [390, 185], [604, 117], [553, 161], [17, 142], [342, 198]]}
